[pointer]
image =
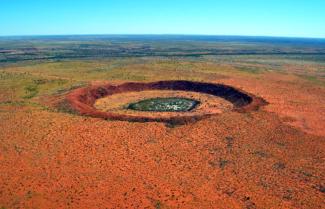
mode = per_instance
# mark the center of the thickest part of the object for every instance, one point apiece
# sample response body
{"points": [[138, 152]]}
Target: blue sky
{"points": [[297, 18]]}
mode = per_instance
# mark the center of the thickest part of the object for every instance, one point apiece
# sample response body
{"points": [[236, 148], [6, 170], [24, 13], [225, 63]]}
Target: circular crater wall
{"points": [[84, 100]]}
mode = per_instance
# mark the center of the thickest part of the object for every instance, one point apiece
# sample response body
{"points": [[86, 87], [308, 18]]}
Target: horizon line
{"points": [[160, 34]]}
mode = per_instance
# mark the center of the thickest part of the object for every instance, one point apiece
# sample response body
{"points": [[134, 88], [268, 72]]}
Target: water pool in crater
{"points": [[170, 104]]}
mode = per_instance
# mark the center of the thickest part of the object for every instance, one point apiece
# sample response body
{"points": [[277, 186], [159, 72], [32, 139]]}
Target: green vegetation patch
{"points": [[31, 91], [170, 104]]}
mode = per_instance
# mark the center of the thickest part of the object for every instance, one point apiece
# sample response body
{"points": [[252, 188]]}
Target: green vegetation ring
{"points": [[170, 104]]}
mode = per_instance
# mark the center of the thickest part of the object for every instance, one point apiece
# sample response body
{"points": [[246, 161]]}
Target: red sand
{"points": [[232, 160]]}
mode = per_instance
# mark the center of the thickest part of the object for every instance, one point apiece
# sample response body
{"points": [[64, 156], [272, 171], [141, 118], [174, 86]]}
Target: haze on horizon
{"points": [[285, 18]]}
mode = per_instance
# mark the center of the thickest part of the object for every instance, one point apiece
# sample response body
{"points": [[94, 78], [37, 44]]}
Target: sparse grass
{"points": [[65, 68], [72, 87], [314, 79], [31, 91], [65, 107], [33, 80], [49, 78], [260, 153], [247, 69], [158, 205], [229, 142], [279, 166], [14, 103], [223, 163]]}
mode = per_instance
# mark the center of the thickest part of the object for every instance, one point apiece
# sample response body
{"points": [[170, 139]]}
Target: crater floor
{"points": [[119, 102]]}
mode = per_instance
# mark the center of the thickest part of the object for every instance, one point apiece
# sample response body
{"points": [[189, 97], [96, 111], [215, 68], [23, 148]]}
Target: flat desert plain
{"points": [[54, 156]]}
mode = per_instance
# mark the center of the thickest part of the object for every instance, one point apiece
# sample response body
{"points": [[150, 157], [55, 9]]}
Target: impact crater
{"points": [[202, 100]]}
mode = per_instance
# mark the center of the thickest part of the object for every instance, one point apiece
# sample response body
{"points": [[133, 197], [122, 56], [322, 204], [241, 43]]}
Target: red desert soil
{"points": [[254, 159]]}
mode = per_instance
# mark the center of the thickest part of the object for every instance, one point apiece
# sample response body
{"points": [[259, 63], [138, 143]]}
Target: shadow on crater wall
{"points": [[82, 100]]}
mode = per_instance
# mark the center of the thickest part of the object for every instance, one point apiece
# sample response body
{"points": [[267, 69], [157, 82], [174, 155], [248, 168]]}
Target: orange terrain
{"points": [[267, 157]]}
